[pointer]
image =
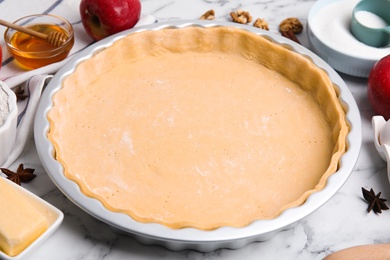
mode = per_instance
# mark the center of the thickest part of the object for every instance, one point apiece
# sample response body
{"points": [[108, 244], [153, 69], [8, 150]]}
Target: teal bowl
{"points": [[371, 22]]}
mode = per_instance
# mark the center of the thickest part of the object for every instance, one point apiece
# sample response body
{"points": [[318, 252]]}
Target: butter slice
{"points": [[20, 222]]}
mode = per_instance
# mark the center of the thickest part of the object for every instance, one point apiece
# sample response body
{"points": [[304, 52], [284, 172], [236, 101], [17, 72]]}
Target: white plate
{"points": [[190, 238], [351, 61]]}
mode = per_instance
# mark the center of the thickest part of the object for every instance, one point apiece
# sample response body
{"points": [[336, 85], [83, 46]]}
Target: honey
{"points": [[32, 52]]}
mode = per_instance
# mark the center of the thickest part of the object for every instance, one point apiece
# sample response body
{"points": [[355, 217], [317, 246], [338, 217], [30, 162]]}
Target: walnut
{"points": [[291, 24], [261, 23], [209, 15], [241, 17]]}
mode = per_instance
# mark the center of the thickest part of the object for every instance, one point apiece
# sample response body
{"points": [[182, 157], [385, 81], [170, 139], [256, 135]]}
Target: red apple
{"points": [[378, 90], [102, 18]]}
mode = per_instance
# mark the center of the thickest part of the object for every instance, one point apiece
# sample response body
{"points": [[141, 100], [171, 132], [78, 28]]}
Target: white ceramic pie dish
{"points": [[190, 238], [8, 128]]}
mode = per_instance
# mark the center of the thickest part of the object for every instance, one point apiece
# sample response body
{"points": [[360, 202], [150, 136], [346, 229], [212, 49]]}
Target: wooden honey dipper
{"points": [[55, 39]]}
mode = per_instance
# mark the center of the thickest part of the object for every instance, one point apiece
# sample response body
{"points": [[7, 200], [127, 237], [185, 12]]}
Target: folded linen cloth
{"points": [[33, 83], [33, 88]]}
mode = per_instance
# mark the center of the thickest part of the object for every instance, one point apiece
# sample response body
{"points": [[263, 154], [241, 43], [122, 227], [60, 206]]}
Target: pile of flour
{"points": [[4, 107]]}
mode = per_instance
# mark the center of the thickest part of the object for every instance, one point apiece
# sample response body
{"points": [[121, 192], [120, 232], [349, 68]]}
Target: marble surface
{"points": [[342, 222]]}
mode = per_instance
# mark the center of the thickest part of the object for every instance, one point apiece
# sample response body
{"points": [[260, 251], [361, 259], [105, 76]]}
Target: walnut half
{"points": [[261, 23], [290, 27], [241, 17], [209, 15], [291, 24]]}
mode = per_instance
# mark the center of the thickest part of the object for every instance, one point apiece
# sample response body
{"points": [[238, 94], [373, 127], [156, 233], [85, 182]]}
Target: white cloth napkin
{"points": [[33, 88], [33, 82]]}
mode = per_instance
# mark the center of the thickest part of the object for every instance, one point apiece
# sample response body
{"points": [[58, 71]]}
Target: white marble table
{"points": [[342, 222]]}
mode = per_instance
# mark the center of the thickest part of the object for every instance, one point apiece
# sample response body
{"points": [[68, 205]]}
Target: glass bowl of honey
{"points": [[31, 52]]}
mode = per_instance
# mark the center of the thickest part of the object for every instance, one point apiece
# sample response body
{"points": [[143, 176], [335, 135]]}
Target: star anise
{"points": [[21, 174], [19, 92], [375, 202]]}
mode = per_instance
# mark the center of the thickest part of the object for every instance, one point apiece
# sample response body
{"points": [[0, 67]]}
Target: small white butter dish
{"points": [[53, 216], [8, 120]]}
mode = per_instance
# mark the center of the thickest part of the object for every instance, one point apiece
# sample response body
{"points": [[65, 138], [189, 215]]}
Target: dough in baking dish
{"points": [[198, 127]]}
